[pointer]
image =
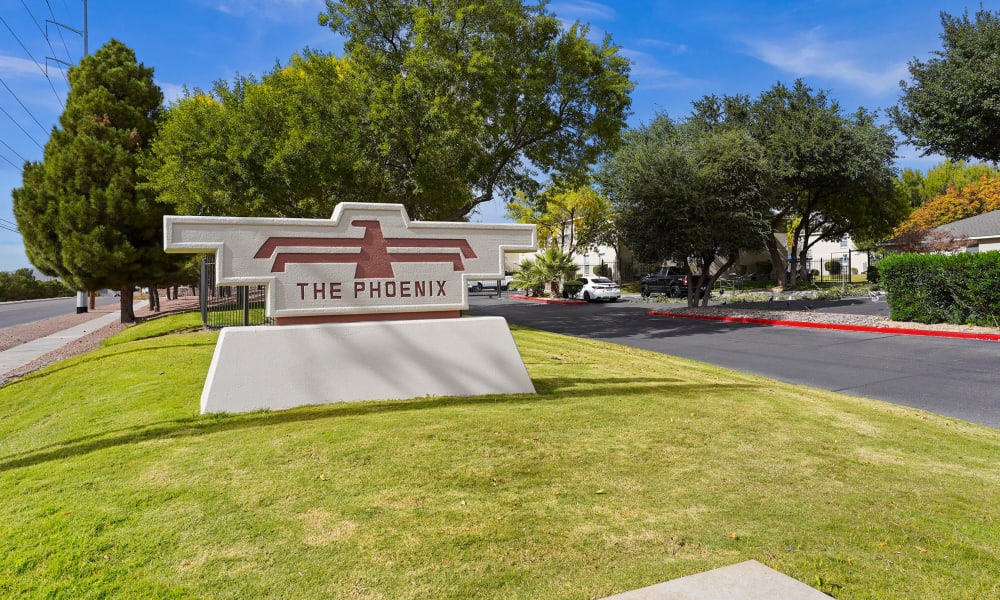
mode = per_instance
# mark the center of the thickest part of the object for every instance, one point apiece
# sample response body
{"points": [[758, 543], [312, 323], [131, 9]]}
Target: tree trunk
{"points": [[154, 298], [128, 315], [93, 299], [777, 259], [710, 280]]}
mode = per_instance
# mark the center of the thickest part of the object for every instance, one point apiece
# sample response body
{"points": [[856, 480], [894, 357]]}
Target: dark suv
{"points": [[671, 281]]}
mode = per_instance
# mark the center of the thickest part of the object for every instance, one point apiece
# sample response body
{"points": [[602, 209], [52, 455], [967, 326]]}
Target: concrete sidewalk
{"points": [[18, 356]]}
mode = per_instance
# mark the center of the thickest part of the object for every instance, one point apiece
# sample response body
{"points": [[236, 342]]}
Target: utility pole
{"points": [[85, 34]]}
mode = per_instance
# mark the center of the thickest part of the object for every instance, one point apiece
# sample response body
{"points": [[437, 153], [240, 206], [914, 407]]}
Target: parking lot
{"points": [[957, 378]]}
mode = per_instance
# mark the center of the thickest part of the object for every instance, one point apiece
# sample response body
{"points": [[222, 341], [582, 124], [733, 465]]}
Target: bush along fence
{"points": [[940, 288]]}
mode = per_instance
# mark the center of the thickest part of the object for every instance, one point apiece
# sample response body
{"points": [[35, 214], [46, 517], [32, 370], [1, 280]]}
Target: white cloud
{"points": [[671, 47], [582, 10], [271, 9], [811, 54], [908, 157], [649, 74], [17, 66], [172, 92]]}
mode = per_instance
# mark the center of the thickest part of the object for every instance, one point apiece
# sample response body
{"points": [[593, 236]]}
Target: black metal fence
{"points": [[228, 306]]}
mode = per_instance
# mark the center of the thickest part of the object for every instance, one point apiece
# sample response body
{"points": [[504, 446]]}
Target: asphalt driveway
{"points": [[952, 377]]}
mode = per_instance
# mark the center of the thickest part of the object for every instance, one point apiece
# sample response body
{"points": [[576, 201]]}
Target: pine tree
{"points": [[82, 211]]}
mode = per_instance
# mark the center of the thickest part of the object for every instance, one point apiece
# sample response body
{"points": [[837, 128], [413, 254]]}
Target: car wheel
{"points": [[675, 292], [644, 292], [586, 296], [477, 288], [612, 299]]}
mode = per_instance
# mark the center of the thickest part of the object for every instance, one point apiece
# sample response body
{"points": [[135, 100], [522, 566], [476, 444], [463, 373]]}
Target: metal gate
{"points": [[227, 306]]}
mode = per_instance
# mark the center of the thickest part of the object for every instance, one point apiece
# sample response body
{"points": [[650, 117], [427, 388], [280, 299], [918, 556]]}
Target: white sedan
{"points": [[598, 288]]}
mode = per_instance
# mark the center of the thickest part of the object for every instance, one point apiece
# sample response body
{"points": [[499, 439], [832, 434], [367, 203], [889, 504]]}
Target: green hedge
{"points": [[22, 285], [938, 288]]}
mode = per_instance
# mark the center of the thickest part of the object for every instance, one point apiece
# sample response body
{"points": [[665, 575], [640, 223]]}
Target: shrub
{"points": [[833, 267], [938, 288], [571, 288], [872, 274]]}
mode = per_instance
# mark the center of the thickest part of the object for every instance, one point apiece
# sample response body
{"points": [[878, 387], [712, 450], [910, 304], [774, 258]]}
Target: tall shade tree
{"points": [[952, 106], [283, 146], [469, 101], [688, 191], [830, 175], [81, 211]]}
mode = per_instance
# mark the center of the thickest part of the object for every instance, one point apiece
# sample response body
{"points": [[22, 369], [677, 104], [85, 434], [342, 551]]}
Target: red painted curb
{"points": [[989, 337], [547, 300]]}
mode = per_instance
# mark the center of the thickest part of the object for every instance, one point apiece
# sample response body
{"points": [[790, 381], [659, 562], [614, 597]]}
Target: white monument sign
{"points": [[369, 304]]}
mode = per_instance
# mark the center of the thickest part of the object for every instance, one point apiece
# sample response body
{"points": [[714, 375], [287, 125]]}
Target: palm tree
{"points": [[554, 265], [529, 278]]}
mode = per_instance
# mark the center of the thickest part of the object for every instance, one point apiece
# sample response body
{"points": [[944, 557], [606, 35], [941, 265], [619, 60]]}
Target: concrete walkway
{"points": [[19, 356]]}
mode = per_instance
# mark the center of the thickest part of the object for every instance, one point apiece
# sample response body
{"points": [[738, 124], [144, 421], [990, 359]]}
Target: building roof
{"points": [[986, 225]]}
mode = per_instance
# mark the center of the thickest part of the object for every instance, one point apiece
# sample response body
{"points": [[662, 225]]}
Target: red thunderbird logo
{"points": [[374, 260]]}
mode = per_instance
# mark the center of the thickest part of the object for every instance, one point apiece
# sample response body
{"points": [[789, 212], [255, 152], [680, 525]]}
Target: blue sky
{"points": [[857, 50]]}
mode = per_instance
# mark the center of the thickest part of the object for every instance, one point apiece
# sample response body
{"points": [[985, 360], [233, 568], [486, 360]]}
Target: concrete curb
{"points": [[989, 337], [547, 300]]}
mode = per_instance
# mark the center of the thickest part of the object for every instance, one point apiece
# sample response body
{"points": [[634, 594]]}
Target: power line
{"points": [[15, 153], [23, 130], [9, 226], [40, 126], [26, 51], [41, 31], [10, 162], [65, 47]]}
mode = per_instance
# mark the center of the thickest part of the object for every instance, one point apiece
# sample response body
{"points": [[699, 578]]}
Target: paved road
{"points": [[20, 313], [957, 378]]}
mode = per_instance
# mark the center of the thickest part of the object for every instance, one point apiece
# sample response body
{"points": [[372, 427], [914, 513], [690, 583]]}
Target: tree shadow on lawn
{"points": [[549, 389], [94, 356]]}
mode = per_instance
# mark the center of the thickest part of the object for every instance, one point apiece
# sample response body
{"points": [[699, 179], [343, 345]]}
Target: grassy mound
{"points": [[626, 469]]}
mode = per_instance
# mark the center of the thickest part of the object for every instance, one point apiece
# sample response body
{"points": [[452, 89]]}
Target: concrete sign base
{"points": [[747, 580], [283, 367]]}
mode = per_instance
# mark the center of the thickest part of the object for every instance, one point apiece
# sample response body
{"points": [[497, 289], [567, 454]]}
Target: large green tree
{"points": [[282, 146], [81, 211], [830, 175], [689, 191], [952, 106], [469, 101]]}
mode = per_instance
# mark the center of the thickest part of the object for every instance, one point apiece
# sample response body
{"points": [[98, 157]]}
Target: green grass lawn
{"points": [[626, 469]]}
